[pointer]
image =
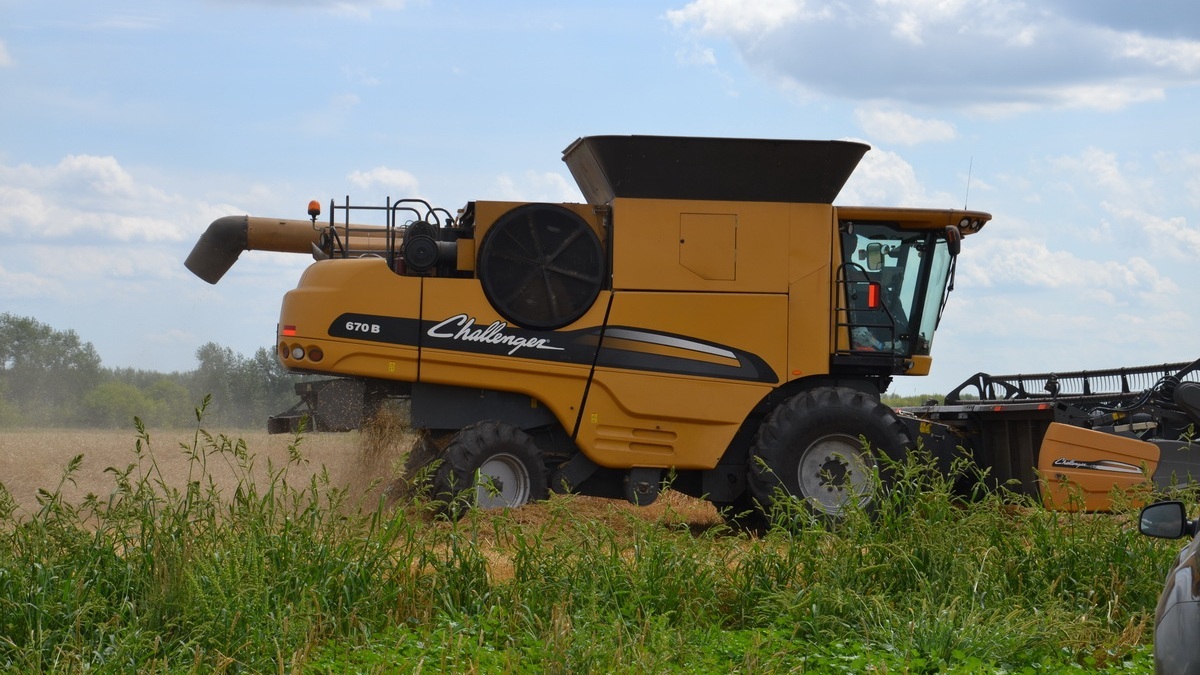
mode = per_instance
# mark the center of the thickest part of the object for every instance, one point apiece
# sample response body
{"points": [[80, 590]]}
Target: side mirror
{"points": [[953, 240], [874, 256], [1165, 520]]}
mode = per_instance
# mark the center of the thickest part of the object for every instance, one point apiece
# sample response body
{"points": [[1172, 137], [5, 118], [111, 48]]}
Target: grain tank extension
{"points": [[706, 315]]}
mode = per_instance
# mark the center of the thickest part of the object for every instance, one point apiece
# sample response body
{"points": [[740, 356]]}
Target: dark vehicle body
{"points": [[1177, 617]]}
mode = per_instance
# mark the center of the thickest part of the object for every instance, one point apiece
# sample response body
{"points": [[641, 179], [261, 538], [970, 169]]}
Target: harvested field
{"points": [[363, 463]]}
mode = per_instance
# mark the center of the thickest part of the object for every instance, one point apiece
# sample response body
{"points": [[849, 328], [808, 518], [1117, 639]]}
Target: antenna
{"points": [[967, 196]]}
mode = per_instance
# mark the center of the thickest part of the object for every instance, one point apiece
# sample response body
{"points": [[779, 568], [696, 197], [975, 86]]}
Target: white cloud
{"points": [[20, 208], [988, 55], [351, 7], [17, 285], [1182, 55], [361, 8], [1171, 238], [1013, 334], [1184, 166], [1030, 263], [537, 187], [893, 126], [1112, 95], [1103, 174], [102, 175], [85, 195], [742, 16], [884, 178], [6, 60], [396, 181], [146, 263]]}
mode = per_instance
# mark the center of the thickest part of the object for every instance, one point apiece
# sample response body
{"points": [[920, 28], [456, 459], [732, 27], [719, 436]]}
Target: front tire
{"points": [[490, 465], [820, 448]]}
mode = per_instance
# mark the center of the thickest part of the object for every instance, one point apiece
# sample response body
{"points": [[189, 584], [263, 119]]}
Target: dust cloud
{"points": [[363, 463]]}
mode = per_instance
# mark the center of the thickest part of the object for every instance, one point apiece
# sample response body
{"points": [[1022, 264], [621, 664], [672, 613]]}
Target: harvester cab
{"points": [[895, 280], [707, 314]]}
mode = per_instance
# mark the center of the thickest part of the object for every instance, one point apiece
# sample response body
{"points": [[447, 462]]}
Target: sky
{"points": [[128, 126]]}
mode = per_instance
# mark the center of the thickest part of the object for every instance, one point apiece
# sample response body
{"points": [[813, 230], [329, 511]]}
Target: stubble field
{"points": [[362, 464]]}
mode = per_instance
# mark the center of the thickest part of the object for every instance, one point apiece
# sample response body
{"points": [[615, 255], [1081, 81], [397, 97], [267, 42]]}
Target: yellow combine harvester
{"points": [[708, 315]]}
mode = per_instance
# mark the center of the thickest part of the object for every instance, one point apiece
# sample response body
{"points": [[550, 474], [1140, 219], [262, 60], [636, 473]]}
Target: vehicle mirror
{"points": [[953, 240], [875, 256], [1166, 520]]}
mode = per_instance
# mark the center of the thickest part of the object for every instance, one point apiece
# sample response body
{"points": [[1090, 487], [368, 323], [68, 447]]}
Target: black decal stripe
{"points": [[713, 359], [576, 346], [750, 367], [392, 330], [669, 341]]}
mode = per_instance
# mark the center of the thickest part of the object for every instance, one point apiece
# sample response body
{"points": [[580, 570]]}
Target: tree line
{"points": [[52, 378]]}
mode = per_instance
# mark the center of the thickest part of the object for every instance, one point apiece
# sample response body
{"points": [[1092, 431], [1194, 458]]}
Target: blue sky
{"points": [[129, 126]]}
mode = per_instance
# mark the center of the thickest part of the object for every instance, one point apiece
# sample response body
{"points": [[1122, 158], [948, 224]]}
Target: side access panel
{"points": [[678, 373], [1082, 469]]}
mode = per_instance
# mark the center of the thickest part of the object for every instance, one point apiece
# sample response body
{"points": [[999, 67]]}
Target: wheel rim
{"points": [[834, 472], [502, 481]]}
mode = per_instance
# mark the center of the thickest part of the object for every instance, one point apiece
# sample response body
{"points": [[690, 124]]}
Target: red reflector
{"points": [[288, 330], [873, 291]]}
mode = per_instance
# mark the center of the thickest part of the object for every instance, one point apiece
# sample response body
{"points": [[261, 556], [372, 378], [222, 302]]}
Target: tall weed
{"points": [[227, 577], [271, 573]]}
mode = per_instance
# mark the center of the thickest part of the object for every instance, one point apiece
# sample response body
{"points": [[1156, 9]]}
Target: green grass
{"points": [[285, 577]]}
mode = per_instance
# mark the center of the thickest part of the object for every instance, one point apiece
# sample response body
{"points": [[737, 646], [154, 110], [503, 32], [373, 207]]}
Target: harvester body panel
{"points": [[465, 343], [671, 385], [363, 334]]}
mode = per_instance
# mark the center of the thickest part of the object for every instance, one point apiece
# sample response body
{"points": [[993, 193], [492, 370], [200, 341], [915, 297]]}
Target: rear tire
{"points": [[490, 465], [811, 449]]}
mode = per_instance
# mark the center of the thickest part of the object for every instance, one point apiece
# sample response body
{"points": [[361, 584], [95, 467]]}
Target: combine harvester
{"points": [[708, 317]]}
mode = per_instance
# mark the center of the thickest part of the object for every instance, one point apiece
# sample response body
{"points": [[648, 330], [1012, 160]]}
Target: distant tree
{"points": [[214, 376], [45, 372], [50, 377], [114, 404], [9, 415], [912, 400], [176, 405], [277, 384], [159, 400], [244, 390]]}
